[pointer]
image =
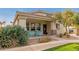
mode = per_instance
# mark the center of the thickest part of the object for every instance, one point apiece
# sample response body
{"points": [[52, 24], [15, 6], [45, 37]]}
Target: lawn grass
{"points": [[66, 47]]}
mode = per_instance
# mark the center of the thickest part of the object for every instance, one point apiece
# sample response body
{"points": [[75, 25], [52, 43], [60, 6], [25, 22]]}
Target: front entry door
{"points": [[44, 28]]}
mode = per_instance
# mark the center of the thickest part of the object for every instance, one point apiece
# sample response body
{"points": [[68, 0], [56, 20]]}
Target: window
{"points": [[32, 27], [38, 27], [58, 26], [27, 26]]}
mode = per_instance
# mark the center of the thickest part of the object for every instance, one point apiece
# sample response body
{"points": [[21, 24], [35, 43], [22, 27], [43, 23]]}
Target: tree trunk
{"points": [[66, 30], [78, 31]]}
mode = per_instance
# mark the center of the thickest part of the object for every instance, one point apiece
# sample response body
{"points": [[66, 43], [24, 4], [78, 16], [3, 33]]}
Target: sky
{"points": [[8, 14]]}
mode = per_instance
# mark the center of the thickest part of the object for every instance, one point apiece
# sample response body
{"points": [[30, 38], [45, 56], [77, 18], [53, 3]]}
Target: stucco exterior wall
{"points": [[16, 23], [53, 26], [62, 29], [22, 23]]}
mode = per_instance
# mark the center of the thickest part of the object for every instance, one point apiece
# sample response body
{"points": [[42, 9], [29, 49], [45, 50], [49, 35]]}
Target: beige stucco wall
{"points": [[53, 26], [16, 23], [22, 23], [62, 29], [49, 27]]}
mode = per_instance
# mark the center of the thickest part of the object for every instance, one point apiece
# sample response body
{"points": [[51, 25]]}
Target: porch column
{"points": [[42, 28], [53, 28], [26, 26], [29, 26]]}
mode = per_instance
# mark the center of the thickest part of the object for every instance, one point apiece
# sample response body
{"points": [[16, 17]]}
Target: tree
{"points": [[67, 19], [76, 22], [58, 17]]}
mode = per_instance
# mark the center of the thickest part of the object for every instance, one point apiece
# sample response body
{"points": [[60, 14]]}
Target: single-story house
{"points": [[38, 23]]}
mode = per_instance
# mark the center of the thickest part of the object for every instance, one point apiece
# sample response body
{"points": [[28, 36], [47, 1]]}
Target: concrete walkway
{"points": [[42, 46]]}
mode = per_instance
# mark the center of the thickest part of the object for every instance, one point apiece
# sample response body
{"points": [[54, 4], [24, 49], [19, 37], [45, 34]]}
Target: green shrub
{"points": [[20, 34], [6, 42], [13, 36]]}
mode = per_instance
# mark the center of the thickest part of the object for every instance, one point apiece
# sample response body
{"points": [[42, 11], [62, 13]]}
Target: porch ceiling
{"points": [[37, 21]]}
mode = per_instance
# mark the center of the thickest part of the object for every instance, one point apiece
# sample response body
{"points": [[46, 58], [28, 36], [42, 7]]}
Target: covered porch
{"points": [[38, 27]]}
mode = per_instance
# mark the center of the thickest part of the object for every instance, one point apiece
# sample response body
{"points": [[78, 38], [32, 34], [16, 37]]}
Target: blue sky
{"points": [[8, 14]]}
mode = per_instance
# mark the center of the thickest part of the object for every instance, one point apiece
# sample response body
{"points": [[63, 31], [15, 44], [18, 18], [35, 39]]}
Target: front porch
{"points": [[37, 27]]}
